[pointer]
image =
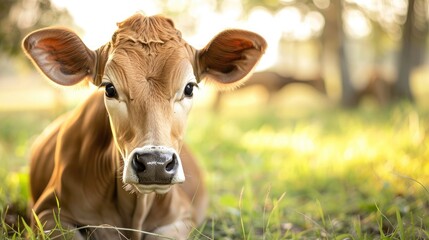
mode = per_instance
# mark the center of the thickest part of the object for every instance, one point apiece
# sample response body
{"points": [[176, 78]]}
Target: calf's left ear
{"points": [[229, 57], [60, 54]]}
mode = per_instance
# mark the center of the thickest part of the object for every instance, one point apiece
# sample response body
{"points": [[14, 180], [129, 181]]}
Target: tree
{"points": [[411, 52], [333, 41], [413, 43]]}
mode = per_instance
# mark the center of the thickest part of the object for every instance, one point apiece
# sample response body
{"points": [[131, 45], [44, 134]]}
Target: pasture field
{"points": [[273, 174]]}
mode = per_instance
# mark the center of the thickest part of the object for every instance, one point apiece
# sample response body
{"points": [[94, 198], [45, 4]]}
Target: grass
{"points": [[276, 173]]}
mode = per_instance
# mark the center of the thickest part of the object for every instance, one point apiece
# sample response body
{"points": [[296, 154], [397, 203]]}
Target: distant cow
{"points": [[115, 160], [273, 82]]}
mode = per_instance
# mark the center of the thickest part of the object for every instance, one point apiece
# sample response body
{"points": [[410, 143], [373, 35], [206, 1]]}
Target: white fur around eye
{"points": [[183, 103], [117, 108]]}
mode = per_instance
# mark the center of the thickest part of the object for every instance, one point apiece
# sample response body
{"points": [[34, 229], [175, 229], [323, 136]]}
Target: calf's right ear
{"points": [[60, 55], [228, 59]]}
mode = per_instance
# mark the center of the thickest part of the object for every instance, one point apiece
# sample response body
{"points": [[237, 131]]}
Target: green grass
{"points": [[276, 173]]}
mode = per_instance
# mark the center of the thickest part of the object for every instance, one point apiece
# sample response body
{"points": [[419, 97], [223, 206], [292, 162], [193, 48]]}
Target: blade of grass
{"points": [[320, 227], [426, 233], [385, 217], [3, 222], [276, 204], [121, 229], [358, 228], [322, 214], [400, 225], [241, 213], [380, 222], [213, 227], [414, 180], [200, 232], [39, 225], [29, 231], [264, 212]]}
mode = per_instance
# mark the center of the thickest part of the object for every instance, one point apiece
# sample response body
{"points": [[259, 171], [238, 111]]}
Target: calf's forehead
{"points": [[148, 51], [168, 69]]}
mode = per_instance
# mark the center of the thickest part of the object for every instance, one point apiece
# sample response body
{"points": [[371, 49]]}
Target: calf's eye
{"points": [[110, 90], [189, 89]]}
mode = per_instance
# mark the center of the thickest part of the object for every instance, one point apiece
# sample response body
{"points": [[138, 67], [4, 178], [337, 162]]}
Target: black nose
{"points": [[155, 166]]}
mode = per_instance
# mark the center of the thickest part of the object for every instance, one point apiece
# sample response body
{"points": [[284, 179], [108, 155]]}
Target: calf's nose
{"points": [[155, 166]]}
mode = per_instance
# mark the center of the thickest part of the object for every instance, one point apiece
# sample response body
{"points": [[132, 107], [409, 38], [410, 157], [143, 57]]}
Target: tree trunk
{"points": [[333, 41], [413, 44]]}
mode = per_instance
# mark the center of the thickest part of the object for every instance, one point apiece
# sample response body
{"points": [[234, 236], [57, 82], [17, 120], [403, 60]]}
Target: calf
{"points": [[117, 159]]}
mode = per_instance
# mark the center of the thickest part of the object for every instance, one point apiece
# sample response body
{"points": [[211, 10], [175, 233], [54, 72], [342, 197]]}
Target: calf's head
{"points": [[148, 73]]}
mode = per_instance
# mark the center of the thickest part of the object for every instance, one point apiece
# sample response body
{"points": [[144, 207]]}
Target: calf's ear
{"points": [[229, 57], [60, 55]]}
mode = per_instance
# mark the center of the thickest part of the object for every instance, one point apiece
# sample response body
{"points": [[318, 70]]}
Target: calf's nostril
{"points": [[171, 165], [138, 163]]}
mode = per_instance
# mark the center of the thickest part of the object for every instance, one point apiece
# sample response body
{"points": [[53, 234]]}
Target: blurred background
{"points": [[320, 51], [328, 137]]}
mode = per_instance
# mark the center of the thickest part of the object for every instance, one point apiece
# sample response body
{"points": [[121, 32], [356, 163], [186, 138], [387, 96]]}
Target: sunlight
{"points": [[232, 9], [358, 147], [297, 25], [176, 5], [389, 14], [267, 138], [315, 21], [263, 22], [322, 4], [26, 16], [330, 171], [288, 19], [356, 24], [210, 22], [99, 26]]}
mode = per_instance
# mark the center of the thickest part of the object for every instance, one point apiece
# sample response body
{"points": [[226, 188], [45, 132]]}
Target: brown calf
{"points": [[117, 158]]}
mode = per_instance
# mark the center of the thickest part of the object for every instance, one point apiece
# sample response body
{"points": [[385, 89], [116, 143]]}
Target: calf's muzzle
{"points": [[157, 165]]}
